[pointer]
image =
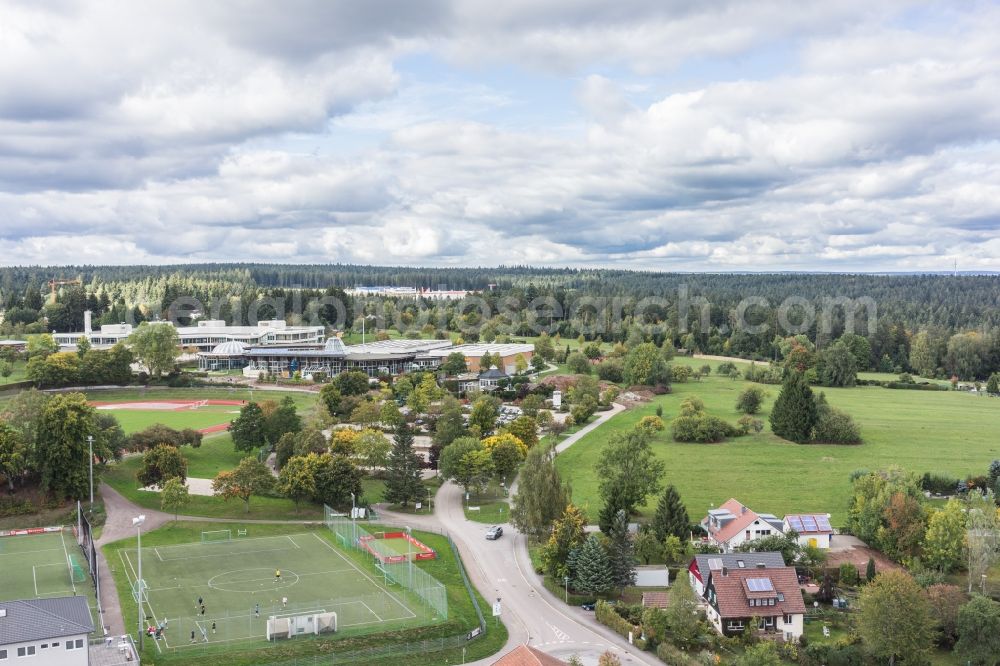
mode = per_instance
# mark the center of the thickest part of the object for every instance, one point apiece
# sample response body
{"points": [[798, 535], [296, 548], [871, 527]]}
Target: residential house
{"points": [[50, 632], [702, 565], [761, 598], [813, 528], [733, 524], [524, 655]]}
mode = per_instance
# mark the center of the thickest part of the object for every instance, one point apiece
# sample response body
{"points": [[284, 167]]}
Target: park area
{"points": [[944, 432], [42, 563]]}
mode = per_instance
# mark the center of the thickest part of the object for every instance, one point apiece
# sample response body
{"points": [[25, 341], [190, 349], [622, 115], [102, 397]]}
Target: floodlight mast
{"points": [[137, 522]]}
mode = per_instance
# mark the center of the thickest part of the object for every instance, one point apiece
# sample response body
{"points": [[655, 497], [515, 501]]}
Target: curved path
{"points": [[502, 568]]}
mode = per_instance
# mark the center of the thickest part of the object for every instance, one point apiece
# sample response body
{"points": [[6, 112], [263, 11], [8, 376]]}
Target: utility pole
{"points": [[90, 449], [138, 521]]}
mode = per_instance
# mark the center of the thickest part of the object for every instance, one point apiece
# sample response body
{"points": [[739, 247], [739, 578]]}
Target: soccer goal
{"points": [[145, 591], [199, 404], [76, 572], [313, 622], [214, 536]]}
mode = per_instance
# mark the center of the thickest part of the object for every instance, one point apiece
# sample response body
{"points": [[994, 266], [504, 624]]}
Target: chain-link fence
{"points": [[351, 535]]}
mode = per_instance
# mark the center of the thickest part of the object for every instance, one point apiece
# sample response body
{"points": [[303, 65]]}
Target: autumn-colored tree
{"points": [[906, 523], [895, 619], [568, 533], [250, 477]]}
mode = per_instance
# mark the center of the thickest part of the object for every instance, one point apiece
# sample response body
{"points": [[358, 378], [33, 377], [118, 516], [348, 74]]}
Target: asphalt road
{"points": [[502, 569]]}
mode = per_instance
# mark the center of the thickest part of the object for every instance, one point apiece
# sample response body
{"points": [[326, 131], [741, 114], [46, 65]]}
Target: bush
{"points": [[848, 574], [701, 428], [748, 424], [611, 370], [938, 483], [763, 374], [835, 427], [578, 363], [923, 386], [725, 368], [750, 400], [610, 615], [13, 506], [675, 656]]}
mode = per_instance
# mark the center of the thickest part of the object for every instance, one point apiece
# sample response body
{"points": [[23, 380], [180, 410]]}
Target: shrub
{"points": [[835, 427], [702, 428], [848, 574], [725, 368], [651, 423], [672, 655], [610, 615], [611, 370], [938, 483], [750, 400], [748, 424], [763, 374]]}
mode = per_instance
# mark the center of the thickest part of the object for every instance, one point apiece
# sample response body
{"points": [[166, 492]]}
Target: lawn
{"points": [[943, 432], [179, 544], [134, 420]]}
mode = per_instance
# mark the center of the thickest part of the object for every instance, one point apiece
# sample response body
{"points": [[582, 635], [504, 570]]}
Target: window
{"points": [[26, 651], [781, 596], [787, 619], [56, 644], [79, 641], [735, 625], [740, 564], [69, 645], [3, 654], [45, 646]]}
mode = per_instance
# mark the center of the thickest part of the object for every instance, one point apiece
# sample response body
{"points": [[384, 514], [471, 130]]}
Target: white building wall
{"points": [[54, 654], [794, 628]]}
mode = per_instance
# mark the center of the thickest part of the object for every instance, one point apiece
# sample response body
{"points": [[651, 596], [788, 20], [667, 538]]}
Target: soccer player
{"points": [[213, 626], [203, 609], [256, 609], [201, 601], [192, 635], [277, 575], [284, 601]]}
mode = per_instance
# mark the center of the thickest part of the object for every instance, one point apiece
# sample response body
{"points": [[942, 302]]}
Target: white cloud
{"points": [[176, 132]]}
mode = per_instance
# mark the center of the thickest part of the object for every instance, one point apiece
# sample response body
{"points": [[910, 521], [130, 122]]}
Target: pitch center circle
{"points": [[252, 580]]}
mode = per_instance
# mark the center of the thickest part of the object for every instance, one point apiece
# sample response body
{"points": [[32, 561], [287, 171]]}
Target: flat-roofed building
{"points": [[474, 352], [205, 335]]}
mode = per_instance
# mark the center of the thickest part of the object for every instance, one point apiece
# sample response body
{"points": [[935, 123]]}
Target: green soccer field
{"points": [[236, 581], [35, 566], [206, 416]]}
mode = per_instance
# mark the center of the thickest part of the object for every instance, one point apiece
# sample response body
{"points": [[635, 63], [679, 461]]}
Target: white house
{"points": [[733, 524], [45, 632], [758, 598], [813, 528]]}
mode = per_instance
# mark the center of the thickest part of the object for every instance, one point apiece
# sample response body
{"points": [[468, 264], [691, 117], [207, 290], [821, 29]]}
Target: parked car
{"points": [[494, 533], [588, 606]]}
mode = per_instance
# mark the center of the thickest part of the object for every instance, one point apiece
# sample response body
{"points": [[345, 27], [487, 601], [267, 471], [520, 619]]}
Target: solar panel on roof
{"points": [[824, 523], [759, 585], [715, 563]]}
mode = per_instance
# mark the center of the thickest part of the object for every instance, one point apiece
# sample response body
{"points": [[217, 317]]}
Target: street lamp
{"points": [[363, 320], [137, 522], [354, 526], [566, 583], [90, 449]]}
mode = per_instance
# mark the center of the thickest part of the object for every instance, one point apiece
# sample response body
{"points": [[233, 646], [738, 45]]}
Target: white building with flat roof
{"points": [[45, 632], [205, 335]]}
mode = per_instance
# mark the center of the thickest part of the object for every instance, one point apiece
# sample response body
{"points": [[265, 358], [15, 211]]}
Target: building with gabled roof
{"points": [[702, 565], [761, 598], [49, 631], [733, 524], [525, 655]]}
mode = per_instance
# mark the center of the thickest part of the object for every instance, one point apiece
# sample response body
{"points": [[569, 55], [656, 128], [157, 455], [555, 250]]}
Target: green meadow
{"points": [[924, 431]]}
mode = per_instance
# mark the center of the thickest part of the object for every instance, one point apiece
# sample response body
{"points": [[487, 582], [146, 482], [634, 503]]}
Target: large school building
{"points": [[384, 357], [205, 335]]}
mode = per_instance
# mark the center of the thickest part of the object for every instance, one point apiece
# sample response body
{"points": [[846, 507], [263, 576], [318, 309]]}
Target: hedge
{"points": [[675, 656], [608, 616]]}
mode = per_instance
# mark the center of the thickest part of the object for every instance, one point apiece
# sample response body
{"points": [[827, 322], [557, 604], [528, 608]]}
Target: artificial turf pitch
{"points": [[234, 577]]}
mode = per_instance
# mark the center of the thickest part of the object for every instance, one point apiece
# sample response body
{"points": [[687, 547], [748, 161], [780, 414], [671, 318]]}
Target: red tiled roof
{"points": [[733, 595], [744, 517], [654, 599], [523, 655]]}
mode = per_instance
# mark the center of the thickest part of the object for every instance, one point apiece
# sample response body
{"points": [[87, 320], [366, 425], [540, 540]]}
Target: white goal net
{"points": [[301, 624], [215, 536]]}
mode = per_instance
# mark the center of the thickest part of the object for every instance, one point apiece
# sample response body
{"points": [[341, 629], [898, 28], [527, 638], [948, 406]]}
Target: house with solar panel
{"points": [[733, 524], [760, 598], [813, 528]]}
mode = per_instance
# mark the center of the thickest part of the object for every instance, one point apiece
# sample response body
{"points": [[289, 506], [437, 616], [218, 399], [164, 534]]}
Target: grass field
{"points": [[237, 581], [35, 566], [134, 420], [945, 432], [316, 549]]}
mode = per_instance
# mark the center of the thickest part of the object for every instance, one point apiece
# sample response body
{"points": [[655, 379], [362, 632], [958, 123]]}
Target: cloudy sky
{"points": [[714, 135]]}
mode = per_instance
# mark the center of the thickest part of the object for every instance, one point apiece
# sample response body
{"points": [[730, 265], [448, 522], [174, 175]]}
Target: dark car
{"points": [[588, 606], [494, 533]]}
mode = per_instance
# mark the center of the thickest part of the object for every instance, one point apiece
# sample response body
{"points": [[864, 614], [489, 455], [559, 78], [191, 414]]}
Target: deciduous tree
{"points": [[979, 632], [568, 533], [175, 496], [160, 463], [248, 429], [297, 480], [541, 495], [157, 346], [62, 454], [895, 620], [944, 542], [250, 477], [627, 462]]}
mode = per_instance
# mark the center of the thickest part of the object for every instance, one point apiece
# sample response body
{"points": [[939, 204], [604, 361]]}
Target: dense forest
{"points": [[933, 324]]}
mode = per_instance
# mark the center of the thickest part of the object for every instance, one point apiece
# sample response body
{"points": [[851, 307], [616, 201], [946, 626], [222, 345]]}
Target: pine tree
{"points": [[593, 571], [870, 570], [671, 517], [613, 503], [403, 483], [621, 556], [794, 414]]}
